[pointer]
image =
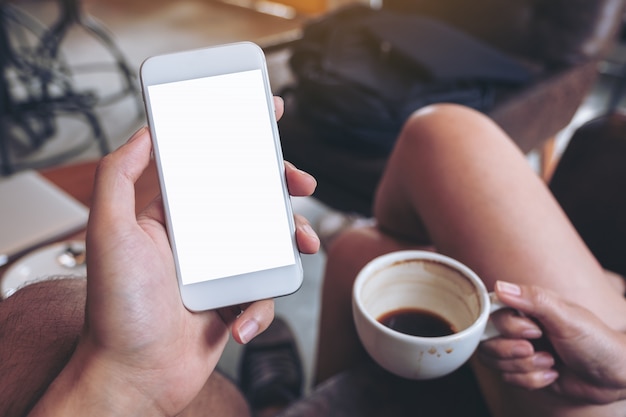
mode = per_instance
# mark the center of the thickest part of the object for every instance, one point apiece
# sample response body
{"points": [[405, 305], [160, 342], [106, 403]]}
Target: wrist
{"points": [[89, 385]]}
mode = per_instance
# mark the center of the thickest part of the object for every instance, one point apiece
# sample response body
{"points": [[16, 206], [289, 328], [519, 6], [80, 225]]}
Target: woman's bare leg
{"points": [[458, 174], [457, 181], [339, 347]]}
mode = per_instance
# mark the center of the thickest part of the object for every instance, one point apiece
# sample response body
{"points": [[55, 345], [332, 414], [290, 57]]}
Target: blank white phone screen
{"points": [[221, 176]]}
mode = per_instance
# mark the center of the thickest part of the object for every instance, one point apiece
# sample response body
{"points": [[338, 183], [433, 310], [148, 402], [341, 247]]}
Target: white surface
{"points": [[39, 265], [34, 211]]}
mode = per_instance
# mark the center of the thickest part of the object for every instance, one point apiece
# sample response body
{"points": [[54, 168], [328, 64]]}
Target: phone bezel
{"points": [[206, 62]]}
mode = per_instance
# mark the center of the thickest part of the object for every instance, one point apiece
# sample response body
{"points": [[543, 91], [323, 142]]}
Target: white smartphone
{"points": [[222, 176]]}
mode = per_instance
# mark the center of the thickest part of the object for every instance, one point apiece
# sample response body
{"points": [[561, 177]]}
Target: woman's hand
{"points": [[582, 358]]}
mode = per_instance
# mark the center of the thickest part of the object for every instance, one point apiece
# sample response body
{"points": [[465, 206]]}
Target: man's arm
{"points": [[39, 328]]}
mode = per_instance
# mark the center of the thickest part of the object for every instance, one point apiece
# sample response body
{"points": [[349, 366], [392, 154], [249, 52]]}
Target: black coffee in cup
{"points": [[417, 322]]}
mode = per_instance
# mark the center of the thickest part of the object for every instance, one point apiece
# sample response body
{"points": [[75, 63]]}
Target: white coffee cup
{"points": [[420, 280]]}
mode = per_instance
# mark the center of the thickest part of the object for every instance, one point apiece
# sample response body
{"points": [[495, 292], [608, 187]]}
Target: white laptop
{"points": [[34, 211]]}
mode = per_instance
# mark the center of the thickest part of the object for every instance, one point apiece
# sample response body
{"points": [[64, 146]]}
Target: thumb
{"points": [[559, 317], [114, 185]]}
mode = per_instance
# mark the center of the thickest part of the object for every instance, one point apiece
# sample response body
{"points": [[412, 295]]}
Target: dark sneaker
{"points": [[270, 371]]}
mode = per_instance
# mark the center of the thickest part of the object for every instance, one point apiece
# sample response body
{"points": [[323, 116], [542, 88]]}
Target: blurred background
{"points": [[86, 54]]}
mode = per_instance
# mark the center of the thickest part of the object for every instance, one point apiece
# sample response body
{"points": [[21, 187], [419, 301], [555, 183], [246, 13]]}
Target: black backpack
{"points": [[361, 72]]}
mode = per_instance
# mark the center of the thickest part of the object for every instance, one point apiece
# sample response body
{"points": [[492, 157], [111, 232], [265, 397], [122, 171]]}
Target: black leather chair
{"points": [[589, 183], [564, 39]]}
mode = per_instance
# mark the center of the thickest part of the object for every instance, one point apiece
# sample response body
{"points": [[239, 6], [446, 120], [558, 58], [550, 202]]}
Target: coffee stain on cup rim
{"points": [[425, 258]]}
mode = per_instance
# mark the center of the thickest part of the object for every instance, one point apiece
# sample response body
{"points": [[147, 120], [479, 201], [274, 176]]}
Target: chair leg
{"points": [[128, 75], [547, 159], [73, 16]]}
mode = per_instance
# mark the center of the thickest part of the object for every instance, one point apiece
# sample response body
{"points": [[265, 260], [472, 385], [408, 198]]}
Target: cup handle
{"points": [[495, 305]]}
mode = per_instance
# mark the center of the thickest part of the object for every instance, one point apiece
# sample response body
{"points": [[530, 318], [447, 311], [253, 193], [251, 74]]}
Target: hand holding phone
{"points": [[221, 172]]}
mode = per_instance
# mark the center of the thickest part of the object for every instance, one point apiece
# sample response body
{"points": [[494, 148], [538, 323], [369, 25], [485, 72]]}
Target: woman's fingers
{"points": [[518, 363], [515, 356], [531, 380], [511, 324]]}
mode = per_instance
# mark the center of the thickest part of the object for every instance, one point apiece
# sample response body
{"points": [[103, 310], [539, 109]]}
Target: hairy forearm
{"points": [[39, 328]]}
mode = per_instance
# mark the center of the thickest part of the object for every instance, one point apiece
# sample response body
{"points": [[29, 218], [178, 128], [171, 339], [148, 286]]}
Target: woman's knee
{"points": [[444, 115], [445, 124], [357, 246]]}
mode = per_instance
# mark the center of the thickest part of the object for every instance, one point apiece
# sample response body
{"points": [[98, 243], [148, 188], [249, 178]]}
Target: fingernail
{"points": [[543, 360], [531, 333], [136, 134], [508, 288], [521, 350], [306, 228], [295, 168], [248, 330], [550, 375]]}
